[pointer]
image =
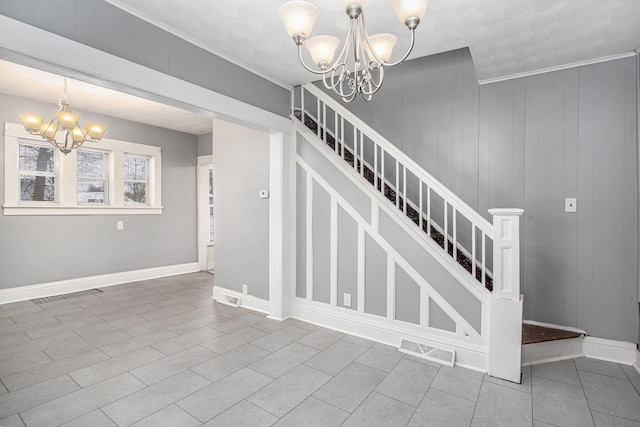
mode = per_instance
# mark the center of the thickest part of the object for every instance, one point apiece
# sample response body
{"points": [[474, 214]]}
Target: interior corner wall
{"points": [[131, 38], [241, 217], [530, 143], [205, 144], [44, 249]]}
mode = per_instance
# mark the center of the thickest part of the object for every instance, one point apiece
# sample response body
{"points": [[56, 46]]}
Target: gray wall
{"points": [[240, 171], [205, 144], [42, 249], [529, 143], [124, 35]]}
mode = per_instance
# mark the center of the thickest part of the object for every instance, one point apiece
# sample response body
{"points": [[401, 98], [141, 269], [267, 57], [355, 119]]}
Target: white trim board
{"points": [[622, 352], [42, 290], [246, 301], [380, 330]]}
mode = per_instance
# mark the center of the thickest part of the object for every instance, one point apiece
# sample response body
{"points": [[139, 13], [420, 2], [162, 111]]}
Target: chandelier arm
{"points": [[406, 55], [376, 86]]}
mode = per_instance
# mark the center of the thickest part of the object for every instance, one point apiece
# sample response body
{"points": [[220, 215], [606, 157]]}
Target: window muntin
{"points": [[92, 180], [37, 172], [136, 179]]}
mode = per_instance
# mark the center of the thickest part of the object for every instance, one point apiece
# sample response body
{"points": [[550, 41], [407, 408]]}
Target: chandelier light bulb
{"points": [[409, 9], [298, 17], [78, 134], [31, 122], [322, 49], [382, 45], [96, 131], [48, 130], [67, 119]]}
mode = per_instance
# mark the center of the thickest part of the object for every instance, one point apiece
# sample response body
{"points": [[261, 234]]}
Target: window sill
{"points": [[80, 210]]}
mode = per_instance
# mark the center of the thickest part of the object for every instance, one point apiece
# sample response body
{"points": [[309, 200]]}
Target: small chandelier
{"points": [[67, 121], [359, 68]]}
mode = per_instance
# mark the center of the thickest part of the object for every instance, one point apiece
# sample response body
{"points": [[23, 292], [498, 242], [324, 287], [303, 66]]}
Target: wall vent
{"points": [[428, 352], [66, 296], [231, 300]]}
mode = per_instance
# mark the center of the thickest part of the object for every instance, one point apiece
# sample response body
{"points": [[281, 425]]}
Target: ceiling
{"points": [[506, 38]]}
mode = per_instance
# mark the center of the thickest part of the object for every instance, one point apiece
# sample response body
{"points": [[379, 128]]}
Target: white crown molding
{"points": [[42, 290], [558, 68], [120, 5]]}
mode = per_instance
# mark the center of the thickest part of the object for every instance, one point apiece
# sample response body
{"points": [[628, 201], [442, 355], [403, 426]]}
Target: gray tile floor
{"points": [[162, 353]]}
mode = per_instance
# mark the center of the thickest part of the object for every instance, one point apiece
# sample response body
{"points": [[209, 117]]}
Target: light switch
{"points": [[120, 225], [570, 204], [264, 194]]}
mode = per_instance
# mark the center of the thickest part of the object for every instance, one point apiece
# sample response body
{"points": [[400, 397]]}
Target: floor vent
{"points": [[428, 352], [66, 296], [229, 300]]}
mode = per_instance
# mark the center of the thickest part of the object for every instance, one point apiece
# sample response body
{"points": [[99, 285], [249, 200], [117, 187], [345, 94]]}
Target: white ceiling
{"points": [[505, 37]]}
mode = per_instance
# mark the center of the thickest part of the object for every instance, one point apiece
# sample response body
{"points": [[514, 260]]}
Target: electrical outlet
{"points": [[120, 225], [245, 289], [570, 204], [346, 300]]}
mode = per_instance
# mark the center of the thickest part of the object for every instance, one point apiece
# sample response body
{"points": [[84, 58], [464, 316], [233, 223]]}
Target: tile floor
{"points": [[161, 353]]}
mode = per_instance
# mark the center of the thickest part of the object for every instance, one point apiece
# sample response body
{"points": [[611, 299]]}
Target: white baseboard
{"points": [[246, 301], [637, 364], [622, 352], [380, 330], [610, 350], [42, 290]]}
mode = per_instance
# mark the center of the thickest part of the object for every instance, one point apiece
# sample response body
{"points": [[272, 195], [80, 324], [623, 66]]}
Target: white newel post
{"points": [[505, 330]]}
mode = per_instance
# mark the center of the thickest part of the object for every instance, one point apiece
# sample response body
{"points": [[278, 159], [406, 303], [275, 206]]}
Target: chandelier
{"points": [[359, 68], [66, 121]]}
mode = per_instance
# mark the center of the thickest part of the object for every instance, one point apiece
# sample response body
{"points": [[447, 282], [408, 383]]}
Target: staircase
{"points": [[449, 279]]}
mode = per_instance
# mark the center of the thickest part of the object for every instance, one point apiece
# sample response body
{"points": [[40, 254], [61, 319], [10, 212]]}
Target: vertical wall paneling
{"points": [[375, 278], [362, 291], [301, 232], [309, 238], [530, 143], [391, 288], [347, 258], [321, 244], [408, 298], [333, 253]]}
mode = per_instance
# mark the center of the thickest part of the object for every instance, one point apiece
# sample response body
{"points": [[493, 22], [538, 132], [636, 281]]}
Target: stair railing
{"points": [[458, 229]]}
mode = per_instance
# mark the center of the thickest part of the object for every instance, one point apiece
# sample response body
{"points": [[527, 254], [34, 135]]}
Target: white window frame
{"points": [[144, 181], [55, 174], [106, 178], [67, 198]]}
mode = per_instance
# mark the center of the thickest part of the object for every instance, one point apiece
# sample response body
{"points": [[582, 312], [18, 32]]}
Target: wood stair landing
{"points": [[532, 334]]}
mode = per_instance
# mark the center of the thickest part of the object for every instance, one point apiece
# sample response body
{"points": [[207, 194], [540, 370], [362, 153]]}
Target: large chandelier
{"points": [[359, 68], [66, 121]]}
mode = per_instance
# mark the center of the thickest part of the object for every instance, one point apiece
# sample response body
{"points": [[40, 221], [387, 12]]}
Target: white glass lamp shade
{"points": [[78, 134], [322, 49], [409, 8], [96, 131], [382, 45], [298, 17], [346, 3], [31, 122], [48, 130], [67, 119]]}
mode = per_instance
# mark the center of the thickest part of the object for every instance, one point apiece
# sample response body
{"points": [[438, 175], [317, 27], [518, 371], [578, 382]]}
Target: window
{"points": [[106, 178], [37, 169], [210, 204], [92, 177], [135, 179]]}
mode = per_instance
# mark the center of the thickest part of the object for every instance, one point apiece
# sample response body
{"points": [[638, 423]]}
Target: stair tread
{"points": [[532, 334]]}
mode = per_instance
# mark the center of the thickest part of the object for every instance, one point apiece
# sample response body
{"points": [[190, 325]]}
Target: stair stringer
{"points": [[470, 338]]}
